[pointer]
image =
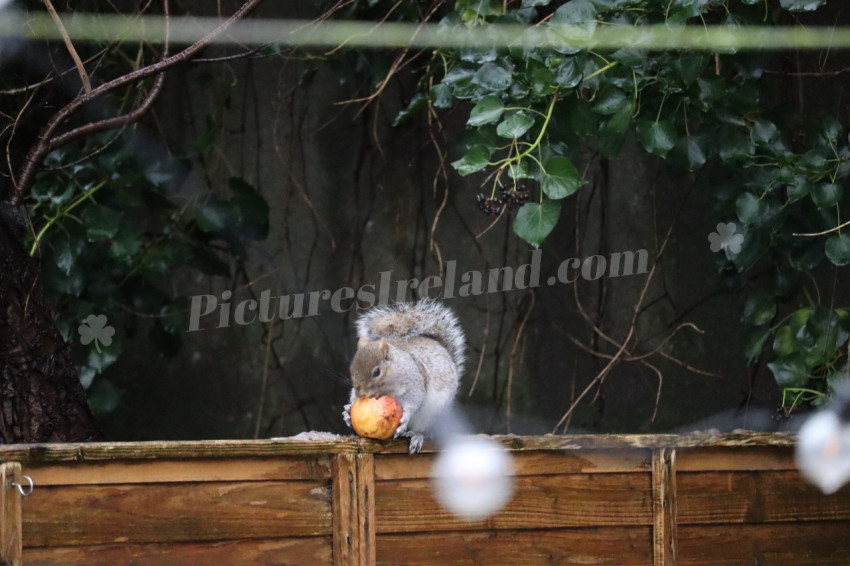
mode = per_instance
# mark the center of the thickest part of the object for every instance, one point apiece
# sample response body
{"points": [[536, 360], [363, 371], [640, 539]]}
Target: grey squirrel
{"points": [[413, 352]]}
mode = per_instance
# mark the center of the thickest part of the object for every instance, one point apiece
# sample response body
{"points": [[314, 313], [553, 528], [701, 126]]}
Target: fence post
{"points": [[354, 510], [10, 514], [664, 506]]}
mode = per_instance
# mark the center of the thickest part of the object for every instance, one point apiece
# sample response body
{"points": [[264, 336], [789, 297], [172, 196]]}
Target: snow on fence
{"points": [[700, 499]]}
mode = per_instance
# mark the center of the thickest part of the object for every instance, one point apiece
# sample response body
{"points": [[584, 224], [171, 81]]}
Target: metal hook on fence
{"points": [[21, 488]]}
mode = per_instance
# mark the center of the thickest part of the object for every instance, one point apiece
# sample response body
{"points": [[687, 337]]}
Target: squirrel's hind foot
{"points": [[416, 440]]}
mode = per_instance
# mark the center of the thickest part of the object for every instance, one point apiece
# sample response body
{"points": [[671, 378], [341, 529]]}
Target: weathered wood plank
{"points": [[612, 546], [345, 511], [402, 466], [307, 551], [366, 505], [664, 507], [755, 497], [539, 502], [91, 515], [10, 514], [307, 467], [737, 459], [27, 453], [778, 544]]}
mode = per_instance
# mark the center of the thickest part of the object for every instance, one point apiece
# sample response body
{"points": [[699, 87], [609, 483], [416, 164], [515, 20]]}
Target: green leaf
{"points": [[515, 125], [790, 371], [801, 5], [656, 137], [827, 194], [784, 343], [582, 119], [734, 146], [759, 309], [750, 208], [440, 96], [127, 243], [756, 337], [578, 15], [535, 221], [213, 216], [689, 151], [542, 81], [569, 73], [250, 210], [798, 188], [476, 159], [521, 170], [416, 104], [488, 110], [561, 178], [611, 100], [764, 132], [495, 76], [101, 223], [838, 249], [532, 3]]}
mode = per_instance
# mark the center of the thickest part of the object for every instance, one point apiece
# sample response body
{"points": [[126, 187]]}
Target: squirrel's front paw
{"points": [[416, 440], [346, 415], [402, 425]]}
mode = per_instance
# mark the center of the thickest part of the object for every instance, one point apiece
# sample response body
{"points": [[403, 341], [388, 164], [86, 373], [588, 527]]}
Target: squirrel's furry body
{"points": [[413, 352]]}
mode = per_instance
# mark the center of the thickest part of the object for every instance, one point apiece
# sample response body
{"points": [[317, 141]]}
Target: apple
{"points": [[377, 418]]}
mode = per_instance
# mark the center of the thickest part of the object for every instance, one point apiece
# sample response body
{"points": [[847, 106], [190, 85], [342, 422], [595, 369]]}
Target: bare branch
{"points": [[47, 140]]}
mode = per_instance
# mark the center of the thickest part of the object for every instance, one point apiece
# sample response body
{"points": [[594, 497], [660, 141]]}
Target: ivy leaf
{"points": [[750, 208], [521, 171], [213, 216], [656, 137], [789, 372], [569, 73], [494, 76], [440, 96], [689, 151], [759, 309], [250, 209], [488, 110], [476, 159], [827, 194], [610, 101], [561, 178], [578, 16], [101, 223], [532, 3], [784, 343], [756, 337], [535, 221], [801, 5], [798, 188], [764, 132], [416, 104], [515, 125], [838, 249]]}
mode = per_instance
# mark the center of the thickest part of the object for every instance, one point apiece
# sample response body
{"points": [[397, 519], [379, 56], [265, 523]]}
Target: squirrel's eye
{"points": [[377, 371]]}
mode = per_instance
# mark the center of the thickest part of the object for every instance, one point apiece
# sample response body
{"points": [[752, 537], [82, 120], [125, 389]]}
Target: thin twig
{"points": [[84, 77]]}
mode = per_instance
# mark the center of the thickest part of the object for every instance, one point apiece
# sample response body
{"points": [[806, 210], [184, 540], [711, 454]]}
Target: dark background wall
{"points": [[352, 197]]}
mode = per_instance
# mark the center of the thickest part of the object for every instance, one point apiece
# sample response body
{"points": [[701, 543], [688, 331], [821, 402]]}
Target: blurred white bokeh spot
{"points": [[823, 451], [473, 478]]}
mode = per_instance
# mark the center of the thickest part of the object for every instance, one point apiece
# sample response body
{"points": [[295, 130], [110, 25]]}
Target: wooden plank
{"points": [[345, 511], [28, 453], [755, 497], [307, 551], [735, 459], [10, 514], [91, 515], [308, 467], [664, 507], [539, 502], [366, 507], [779, 544], [402, 466], [612, 546]]}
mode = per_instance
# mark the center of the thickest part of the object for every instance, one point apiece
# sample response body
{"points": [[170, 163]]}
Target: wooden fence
{"points": [[693, 500]]}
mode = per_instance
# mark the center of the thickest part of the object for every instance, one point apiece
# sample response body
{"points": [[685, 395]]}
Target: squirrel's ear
{"points": [[361, 342], [385, 349]]}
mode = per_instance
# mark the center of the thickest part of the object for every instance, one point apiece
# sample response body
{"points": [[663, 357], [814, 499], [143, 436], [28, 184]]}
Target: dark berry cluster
{"points": [[507, 198]]}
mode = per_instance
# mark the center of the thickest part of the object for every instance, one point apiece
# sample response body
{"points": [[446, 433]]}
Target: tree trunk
{"points": [[41, 398]]}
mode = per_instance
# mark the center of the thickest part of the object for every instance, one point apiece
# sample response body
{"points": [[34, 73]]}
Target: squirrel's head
{"points": [[372, 367]]}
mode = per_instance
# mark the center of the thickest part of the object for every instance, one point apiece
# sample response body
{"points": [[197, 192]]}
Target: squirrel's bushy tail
{"points": [[421, 318]]}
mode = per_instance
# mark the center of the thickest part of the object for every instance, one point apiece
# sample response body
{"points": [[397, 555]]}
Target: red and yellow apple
{"points": [[375, 417]]}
